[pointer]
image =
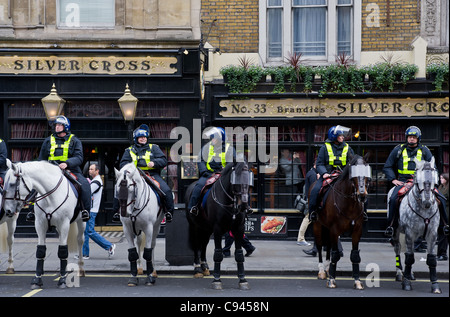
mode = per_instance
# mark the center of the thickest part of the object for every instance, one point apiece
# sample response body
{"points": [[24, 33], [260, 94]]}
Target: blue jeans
{"points": [[89, 232]]}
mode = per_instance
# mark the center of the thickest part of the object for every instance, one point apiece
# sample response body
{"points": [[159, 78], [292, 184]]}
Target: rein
{"points": [[419, 201]]}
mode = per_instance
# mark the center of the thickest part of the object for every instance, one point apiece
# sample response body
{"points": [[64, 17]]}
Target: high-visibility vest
{"points": [[334, 160], [407, 159], [211, 155], [64, 146], [145, 157]]}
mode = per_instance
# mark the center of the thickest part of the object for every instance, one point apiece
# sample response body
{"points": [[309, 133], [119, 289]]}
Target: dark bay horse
{"points": [[224, 210], [343, 212]]}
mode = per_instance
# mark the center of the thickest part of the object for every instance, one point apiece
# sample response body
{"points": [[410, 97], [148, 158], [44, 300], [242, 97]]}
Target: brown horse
{"points": [[343, 211]]}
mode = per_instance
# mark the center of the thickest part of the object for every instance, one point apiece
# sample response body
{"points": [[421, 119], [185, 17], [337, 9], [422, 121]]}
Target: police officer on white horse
{"points": [[400, 167], [149, 158], [66, 150]]}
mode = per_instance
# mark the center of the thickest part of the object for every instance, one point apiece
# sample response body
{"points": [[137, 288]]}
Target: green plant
{"points": [[438, 72], [341, 79], [243, 78], [405, 72]]}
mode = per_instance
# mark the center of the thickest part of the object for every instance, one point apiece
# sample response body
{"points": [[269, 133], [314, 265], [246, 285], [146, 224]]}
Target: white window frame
{"points": [[89, 25], [331, 47]]}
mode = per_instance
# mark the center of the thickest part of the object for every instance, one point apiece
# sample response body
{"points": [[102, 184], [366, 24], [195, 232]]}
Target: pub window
{"points": [[318, 29], [86, 14]]}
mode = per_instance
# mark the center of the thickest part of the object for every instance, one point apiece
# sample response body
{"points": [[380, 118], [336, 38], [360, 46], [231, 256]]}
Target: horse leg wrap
{"points": [[239, 257], [218, 257], [356, 259], [40, 256], [133, 256], [335, 256], [409, 261], [148, 257], [63, 253], [432, 263]]}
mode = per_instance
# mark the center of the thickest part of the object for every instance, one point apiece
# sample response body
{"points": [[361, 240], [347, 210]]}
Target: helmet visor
{"points": [[341, 130]]}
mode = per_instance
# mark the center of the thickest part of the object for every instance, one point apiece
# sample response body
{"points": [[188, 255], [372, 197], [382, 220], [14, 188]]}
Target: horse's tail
{"points": [[72, 238], [3, 236]]}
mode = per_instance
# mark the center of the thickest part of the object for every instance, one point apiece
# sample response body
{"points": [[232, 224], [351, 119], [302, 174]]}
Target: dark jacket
{"points": [[156, 156], [322, 163], [3, 156], [311, 177], [75, 155], [215, 164], [395, 161]]}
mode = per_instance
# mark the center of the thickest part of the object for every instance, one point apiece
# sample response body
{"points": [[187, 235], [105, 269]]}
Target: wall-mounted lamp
{"points": [[128, 104], [53, 104]]}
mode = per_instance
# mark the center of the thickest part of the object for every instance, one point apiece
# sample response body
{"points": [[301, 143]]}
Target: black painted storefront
{"points": [[165, 101]]}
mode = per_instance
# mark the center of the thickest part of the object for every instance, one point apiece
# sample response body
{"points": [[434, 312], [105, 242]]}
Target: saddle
{"points": [[209, 183], [155, 185]]}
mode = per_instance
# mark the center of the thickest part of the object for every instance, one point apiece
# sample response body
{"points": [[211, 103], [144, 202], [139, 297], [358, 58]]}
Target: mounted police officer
{"points": [[149, 158], [214, 156], [333, 155], [65, 149], [400, 167]]}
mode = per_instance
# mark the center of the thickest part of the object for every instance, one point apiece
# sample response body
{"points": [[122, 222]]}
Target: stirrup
{"points": [[194, 211], [30, 217], [85, 215], [445, 229], [169, 216], [313, 215], [389, 232], [116, 218]]}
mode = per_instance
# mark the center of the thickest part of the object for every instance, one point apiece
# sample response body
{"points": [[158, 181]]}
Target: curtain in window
{"points": [[309, 30], [344, 29], [92, 13], [274, 32]]}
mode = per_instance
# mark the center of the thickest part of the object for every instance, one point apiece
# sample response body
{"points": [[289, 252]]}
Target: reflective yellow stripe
{"points": [[407, 159], [332, 158], [146, 157], [211, 156], [54, 146]]}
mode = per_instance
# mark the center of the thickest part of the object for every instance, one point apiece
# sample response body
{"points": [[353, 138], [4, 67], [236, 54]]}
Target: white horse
{"points": [[7, 228], [418, 216], [55, 202], [139, 212]]}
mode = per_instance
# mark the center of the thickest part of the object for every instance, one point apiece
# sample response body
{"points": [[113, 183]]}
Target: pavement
{"points": [[270, 257]]}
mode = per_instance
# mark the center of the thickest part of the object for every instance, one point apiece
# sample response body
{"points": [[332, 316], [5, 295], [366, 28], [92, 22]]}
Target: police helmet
{"points": [[64, 121], [413, 131], [216, 133], [338, 130], [142, 131]]}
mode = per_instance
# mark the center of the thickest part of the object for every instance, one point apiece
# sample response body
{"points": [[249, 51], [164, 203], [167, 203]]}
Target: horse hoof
{"points": [[358, 285], [399, 278], [198, 275], [150, 281], [81, 273], [154, 274], [322, 276], [435, 289], [62, 285], [244, 286], [406, 285], [36, 283], [331, 284], [206, 273], [133, 281], [10, 270], [217, 285], [140, 271]]}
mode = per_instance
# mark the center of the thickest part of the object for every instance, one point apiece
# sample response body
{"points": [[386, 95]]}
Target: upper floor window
{"points": [[86, 14], [318, 29]]}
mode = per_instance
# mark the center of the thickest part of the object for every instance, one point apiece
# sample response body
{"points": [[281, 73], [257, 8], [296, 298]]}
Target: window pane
{"points": [[93, 13], [310, 31], [309, 2], [345, 2], [274, 32], [344, 30], [274, 3]]}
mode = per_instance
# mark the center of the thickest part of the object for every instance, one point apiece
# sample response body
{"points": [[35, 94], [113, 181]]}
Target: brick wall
{"points": [[236, 28], [399, 24]]}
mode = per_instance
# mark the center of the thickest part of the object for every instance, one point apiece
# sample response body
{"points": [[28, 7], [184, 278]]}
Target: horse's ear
{"points": [[11, 165], [366, 157], [116, 172], [432, 162]]}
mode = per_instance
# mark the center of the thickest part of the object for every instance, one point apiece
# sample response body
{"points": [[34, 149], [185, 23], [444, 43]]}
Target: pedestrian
{"points": [[442, 239], [90, 233], [66, 150], [400, 168], [246, 244], [311, 177]]}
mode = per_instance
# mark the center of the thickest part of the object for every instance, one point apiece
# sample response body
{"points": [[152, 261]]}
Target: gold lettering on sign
{"points": [[113, 65], [290, 108]]}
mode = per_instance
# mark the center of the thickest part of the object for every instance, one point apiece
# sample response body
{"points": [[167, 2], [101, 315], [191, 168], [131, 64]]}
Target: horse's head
{"points": [[16, 192], [125, 188], [241, 179], [425, 178], [360, 174]]}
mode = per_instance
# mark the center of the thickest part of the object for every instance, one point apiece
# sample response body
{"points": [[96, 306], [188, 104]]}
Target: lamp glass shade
{"points": [[128, 104], [53, 104]]}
